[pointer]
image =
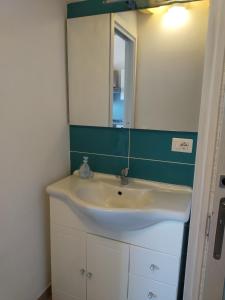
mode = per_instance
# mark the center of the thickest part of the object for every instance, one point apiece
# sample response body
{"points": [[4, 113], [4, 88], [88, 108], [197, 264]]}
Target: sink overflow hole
{"points": [[120, 193]]}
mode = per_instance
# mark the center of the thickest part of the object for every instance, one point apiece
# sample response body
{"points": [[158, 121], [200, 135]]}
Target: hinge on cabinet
{"points": [[208, 223]]}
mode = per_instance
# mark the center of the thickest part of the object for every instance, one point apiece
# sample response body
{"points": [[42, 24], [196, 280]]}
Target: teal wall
{"points": [[95, 7], [150, 153]]}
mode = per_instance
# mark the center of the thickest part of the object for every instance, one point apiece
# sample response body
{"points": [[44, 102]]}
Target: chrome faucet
{"points": [[123, 177]]}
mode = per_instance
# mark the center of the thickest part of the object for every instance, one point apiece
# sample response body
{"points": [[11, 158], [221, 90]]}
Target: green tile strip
{"points": [[96, 7], [93, 7], [150, 157], [157, 145], [99, 140], [99, 163]]}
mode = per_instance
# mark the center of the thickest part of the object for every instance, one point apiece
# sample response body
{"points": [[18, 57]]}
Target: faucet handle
{"points": [[124, 172]]}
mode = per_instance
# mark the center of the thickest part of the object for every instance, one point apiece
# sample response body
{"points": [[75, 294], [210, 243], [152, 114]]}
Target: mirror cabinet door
{"points": [[89, 69]]}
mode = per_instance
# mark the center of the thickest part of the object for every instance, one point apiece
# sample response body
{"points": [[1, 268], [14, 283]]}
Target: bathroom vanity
{"points": [[100, 251]]}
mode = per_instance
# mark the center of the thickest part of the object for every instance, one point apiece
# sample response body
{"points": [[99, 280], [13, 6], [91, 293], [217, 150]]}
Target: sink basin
{"points": [[135, 206], [114, 197]]}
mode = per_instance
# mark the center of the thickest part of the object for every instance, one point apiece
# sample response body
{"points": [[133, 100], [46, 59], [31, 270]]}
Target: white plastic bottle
{"points": [[85, 171]]}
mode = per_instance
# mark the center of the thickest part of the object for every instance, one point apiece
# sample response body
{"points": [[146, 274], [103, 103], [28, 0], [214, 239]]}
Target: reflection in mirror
{"points": [[139, 69], [123, 83]]}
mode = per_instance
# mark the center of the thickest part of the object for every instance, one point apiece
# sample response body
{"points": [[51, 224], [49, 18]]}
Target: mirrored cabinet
{"points": [[130, 70]]}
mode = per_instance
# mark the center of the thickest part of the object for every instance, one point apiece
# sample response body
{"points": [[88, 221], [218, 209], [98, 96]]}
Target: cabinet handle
{"points": [[153, 267], [151, 295], [89, 275], [82, 271]]}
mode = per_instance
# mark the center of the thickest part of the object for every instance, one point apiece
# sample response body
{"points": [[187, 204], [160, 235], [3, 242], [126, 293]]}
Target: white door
{"points": [[107, 269], [68, 261], [215, 263]]}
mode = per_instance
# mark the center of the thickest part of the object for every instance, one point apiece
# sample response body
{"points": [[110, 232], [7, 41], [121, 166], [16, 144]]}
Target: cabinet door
{"points": [[107, 269], [89, 69], [68, 262]]}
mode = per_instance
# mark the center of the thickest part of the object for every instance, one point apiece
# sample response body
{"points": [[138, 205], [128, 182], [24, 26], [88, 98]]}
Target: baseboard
{"points": [[47, 294]]}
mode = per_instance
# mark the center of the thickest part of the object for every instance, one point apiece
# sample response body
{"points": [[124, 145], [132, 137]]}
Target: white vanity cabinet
{"points": [[91, 264]]}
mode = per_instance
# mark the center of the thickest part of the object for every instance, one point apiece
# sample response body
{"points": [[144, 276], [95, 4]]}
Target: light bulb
{"points": [[175, 17]]}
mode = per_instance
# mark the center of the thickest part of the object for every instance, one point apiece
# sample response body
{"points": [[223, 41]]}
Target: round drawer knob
{"points": [[89, 275], [151, 295], [153, 267]]}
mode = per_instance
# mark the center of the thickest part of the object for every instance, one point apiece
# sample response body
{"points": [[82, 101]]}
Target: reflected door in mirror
{"points": [[123, 78]]}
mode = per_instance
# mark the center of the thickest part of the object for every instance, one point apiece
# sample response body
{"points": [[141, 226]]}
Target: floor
{"points": [[47, 295]]}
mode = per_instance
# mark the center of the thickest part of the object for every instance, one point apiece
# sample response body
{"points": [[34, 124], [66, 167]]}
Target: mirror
{"points": [[138, 69], [124, 65]]}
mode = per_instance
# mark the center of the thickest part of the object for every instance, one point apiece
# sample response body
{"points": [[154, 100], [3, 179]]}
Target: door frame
{"points": [[206, 150]]}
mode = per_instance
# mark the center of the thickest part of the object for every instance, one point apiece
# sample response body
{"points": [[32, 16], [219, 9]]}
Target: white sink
{"points": [[137, 205]]}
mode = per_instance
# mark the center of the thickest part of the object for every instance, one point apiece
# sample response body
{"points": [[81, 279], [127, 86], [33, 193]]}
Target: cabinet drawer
{"points": [[141, 288], [154, 265]]}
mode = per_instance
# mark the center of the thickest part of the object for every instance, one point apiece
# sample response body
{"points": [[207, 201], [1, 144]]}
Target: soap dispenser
{"points": [[85, 171]]}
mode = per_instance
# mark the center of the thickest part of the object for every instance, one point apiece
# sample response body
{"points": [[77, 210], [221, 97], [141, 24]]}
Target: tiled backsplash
{"points": [[150, 153]]}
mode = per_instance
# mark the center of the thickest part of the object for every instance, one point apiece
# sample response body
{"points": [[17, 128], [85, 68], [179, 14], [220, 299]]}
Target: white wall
{"points": [[169, 70], [33, 139]]}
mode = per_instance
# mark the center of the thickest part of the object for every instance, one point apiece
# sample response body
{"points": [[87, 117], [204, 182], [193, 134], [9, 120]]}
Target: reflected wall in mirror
{"points": [[138, 69]]}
